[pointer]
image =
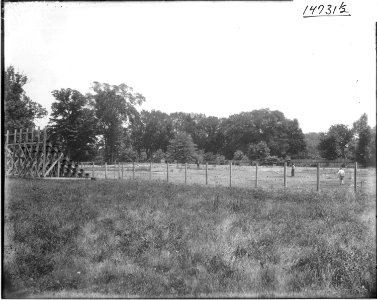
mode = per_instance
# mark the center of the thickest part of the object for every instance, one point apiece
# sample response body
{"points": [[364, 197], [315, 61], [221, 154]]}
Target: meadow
{"points": [[139, 238]]}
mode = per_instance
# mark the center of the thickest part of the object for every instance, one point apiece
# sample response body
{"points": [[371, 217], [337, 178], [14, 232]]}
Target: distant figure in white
{"points": [[341, 174]]}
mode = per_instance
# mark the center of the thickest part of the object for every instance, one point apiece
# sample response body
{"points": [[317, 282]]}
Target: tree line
{"points": [[105, 125]]}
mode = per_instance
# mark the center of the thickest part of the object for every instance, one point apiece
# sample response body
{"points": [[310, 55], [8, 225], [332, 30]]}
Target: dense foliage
{"points": [[19, 110], [73, 125], [356, 143], [182, 149], [126, 134], [114, 106], [105, 125]]}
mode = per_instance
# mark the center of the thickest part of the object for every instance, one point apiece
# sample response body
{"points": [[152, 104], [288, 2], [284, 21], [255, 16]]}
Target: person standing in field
{"points": [[341, 174], [293, 170]]}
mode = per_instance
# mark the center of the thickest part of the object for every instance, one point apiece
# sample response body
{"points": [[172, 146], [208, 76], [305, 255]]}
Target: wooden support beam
{"points": [[19, 155], [52, 165], [44, 152]]}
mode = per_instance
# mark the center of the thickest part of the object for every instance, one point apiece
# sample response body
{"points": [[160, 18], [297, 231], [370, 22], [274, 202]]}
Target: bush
{"points": [[158, 156], [271, 160], [238, 155]]}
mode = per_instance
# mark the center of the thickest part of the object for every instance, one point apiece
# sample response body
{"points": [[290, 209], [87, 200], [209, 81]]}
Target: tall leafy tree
{"points": [[114, 105], [238, 131], [19, 111], [296, 139], [363, 140], [210, 138], [312, 140], [328, 147], [282, 136], [73, 125], [182, 148], [336, 142], [158, 131], [205, 131], [136, 130], [372, 160]]}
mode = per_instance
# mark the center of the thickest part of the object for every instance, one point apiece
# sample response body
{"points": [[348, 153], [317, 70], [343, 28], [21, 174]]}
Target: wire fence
{"points": [[317, 178]]}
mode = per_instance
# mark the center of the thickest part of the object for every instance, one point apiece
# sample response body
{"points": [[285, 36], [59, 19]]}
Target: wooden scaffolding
{"points": [[29, 153]]}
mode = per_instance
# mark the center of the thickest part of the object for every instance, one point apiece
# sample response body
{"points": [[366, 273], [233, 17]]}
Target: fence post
{"points": [[230, 174], [318, 176], [185, 173], [133, 170], [285, 174], [256, 175], [355, 176], [122, 170], [206, 173], [119, 170], [93, 169], [105, 170], [167, 172], [59, 168], [150, 171]]}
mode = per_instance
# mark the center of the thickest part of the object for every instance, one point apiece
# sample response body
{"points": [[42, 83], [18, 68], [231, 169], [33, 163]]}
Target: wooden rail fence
{"points": [[166, 172]]}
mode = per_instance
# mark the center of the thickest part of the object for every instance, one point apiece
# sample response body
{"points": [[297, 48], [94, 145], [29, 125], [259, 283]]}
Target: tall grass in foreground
{"points": [[151, 239]]}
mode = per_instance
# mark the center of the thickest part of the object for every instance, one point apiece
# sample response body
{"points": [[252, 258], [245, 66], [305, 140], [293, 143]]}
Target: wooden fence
{"points": [[250, 176]]}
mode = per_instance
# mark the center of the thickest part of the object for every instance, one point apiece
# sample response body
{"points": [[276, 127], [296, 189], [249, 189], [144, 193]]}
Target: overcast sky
{"points": [[215, 58]]}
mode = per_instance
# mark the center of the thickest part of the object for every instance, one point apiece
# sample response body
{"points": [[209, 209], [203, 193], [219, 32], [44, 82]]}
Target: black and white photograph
{"points": [[189, 149]]}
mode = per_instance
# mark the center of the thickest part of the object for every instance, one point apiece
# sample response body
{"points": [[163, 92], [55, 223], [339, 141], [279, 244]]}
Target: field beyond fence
{"points": [[237, 176]]}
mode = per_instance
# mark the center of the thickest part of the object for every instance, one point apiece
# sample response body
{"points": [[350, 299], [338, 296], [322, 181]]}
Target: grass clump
{"points": [[150, 239]]}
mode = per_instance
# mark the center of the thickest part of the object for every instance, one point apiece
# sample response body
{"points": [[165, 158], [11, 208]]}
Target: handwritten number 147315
{"points": [[326, 10]]}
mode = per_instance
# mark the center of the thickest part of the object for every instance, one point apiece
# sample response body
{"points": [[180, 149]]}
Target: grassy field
{"points": [[152, 239], [242, 176]]}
